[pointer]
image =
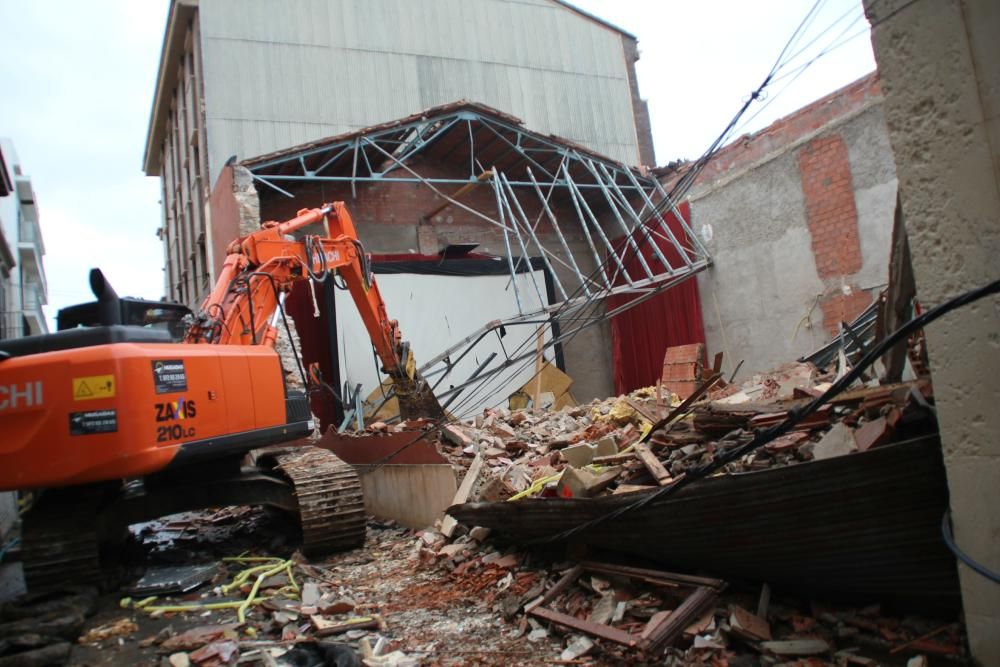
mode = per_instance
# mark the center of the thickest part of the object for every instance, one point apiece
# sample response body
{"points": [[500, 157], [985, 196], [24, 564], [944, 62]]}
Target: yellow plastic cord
{"points": [[242, 609], [202, 606], [535, 487], [270, 566]]}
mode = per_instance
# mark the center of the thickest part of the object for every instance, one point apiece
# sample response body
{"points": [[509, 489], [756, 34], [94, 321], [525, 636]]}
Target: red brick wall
{"points": [[401, 205], [843, 308], [224, 217], [832, 218], [830, 210]]}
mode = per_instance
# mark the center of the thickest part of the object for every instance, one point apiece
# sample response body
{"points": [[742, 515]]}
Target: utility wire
{"points": [[949, 541], [795, 416], [594, 301]]}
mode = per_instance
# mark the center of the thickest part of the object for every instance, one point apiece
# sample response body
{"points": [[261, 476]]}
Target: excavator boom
{"points": [[263, 266]]}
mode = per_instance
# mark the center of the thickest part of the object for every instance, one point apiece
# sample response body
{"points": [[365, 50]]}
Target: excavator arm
{"points": [[261, 268]]}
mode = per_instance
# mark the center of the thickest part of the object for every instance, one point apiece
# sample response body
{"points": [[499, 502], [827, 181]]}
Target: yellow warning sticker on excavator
{"points": [[93, 386]]}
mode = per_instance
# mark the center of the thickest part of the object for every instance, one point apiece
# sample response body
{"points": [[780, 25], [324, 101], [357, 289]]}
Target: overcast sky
{"points": [[77, 83]]}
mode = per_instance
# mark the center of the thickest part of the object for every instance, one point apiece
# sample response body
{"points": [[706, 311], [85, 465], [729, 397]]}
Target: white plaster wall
{"points": [[435, 312]]}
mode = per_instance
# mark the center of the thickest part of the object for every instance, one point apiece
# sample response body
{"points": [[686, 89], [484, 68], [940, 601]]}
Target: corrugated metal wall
{"points": [[281, 73]]}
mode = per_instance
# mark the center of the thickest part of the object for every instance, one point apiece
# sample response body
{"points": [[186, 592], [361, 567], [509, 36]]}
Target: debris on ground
{"points": [[225, 587]]}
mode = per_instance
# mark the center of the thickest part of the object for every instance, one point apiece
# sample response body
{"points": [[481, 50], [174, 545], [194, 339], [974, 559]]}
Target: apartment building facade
{"points": [[23, 286]]}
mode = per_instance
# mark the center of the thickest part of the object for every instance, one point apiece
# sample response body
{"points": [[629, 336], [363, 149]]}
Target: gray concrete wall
{"points": [[761, 300], [940, 66]]}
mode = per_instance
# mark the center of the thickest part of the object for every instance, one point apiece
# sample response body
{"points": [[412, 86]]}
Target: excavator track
{"points": [[60, 543], [62, 534], [331, 507]]}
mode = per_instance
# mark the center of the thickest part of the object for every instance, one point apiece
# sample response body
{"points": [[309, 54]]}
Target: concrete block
{"points": [[976, 525], [983, 632], [606, 446], [579, 455], [838, 441]]}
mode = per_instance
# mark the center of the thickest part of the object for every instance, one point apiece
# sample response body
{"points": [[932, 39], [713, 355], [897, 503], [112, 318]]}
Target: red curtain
{"points": [[641, 335]]}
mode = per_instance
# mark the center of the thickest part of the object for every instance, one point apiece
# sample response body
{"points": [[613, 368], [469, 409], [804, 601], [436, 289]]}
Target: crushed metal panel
{"points": [[865, 526], [403, 476]]}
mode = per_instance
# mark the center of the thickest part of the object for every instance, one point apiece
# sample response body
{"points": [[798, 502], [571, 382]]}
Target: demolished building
{"points": [[458, 199]]}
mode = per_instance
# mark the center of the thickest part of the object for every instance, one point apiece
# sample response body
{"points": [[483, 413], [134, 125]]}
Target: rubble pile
{"points": [[224, 587], [648, 438]]}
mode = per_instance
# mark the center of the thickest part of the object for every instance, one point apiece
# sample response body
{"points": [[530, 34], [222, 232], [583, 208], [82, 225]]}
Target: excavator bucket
{"points": [[416, 399], [403, 476]]}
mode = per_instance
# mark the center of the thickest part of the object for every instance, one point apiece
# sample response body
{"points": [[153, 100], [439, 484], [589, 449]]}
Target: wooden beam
{"points": [[653, 465], [485, 176]]}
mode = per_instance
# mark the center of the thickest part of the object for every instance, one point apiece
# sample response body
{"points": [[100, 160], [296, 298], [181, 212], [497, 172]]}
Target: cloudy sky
{"points": [[77, 84]]}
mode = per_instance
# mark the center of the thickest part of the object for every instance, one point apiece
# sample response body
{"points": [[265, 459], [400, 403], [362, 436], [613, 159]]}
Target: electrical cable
{"points": [[762, 437], [680, 188], [949, 541], [284, 320]]}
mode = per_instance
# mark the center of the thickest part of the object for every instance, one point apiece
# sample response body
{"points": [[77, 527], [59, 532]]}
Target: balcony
{"points": [[30, 245], [12, 325], [32, 299]]}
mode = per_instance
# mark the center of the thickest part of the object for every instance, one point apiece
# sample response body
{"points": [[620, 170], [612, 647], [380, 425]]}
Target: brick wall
{"points": [[389, 215], [800, 216], [832, 218]]}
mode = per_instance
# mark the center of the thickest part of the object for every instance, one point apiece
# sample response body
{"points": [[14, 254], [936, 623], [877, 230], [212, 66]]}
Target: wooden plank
{"points": [[326, 627], [642, 410], [680, 409], [591, 628], [539, 362], [653, 465], [448, 524], [661, 635], [631, 488]]}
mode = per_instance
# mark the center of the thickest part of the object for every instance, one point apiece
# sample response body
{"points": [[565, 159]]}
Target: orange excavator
{"points": [[137, 409]]}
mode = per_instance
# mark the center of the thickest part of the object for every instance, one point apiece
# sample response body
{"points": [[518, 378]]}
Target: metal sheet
{"points": [[179, 579], [861, 526], [279, 74]]}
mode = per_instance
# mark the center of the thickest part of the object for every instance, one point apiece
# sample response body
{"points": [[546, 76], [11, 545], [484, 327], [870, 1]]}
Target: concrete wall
{"points": [[799, 231], [387, 214], [278, 74], [940, 67]]}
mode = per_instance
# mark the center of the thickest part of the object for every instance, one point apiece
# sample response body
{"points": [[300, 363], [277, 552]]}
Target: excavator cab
{"points": [[109, 319], [110, 309]]}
